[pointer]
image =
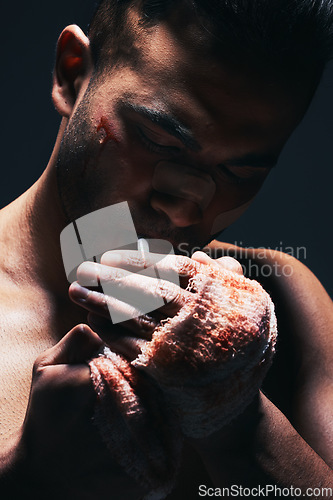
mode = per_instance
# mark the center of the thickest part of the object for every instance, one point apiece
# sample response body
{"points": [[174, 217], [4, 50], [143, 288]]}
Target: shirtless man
{"points": [[205, 89]]}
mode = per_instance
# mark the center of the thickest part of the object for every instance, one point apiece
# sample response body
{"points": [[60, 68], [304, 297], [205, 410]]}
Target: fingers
{"points": [[100, 304], [78, 346], [169, 267], [131, 260], [120, 338], [203, 258], [131, 295], [133, 287], [135, 262], [125, 291], [230, 264], [227, 263], [140, 326]]}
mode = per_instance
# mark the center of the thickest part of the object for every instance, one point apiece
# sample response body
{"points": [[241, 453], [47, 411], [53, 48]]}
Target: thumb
{"points": [[76, 347]]}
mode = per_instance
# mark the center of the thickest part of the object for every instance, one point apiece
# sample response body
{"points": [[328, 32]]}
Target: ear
{"points": [[73, 68]]}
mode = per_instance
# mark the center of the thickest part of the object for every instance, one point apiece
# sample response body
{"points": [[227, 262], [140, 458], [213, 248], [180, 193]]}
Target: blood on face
{"points": [[110, 133]]}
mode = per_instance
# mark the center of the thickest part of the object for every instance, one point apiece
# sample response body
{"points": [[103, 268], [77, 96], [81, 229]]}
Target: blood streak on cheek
{"points": [[108, 129], [107, 133]]}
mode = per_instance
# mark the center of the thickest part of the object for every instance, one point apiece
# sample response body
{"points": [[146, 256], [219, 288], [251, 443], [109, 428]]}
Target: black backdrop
{"points": [[294, 209]]}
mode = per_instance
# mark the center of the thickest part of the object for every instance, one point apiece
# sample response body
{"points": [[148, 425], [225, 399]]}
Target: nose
{"points": [[181, 212], [181, 192]]}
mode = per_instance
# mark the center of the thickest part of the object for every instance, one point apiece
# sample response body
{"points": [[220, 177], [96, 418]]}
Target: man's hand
{"points": [[61, 451], [269, 446], [118, 266], [213, 340]]}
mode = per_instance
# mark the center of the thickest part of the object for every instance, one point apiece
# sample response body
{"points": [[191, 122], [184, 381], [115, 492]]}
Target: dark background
{"points": [[293, 210]]}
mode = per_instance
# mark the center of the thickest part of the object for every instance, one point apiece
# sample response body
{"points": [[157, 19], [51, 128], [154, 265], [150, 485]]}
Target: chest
{"points": [[23, 336]]}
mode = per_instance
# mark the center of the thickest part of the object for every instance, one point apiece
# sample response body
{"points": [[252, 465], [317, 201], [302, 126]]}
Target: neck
{"points": [[30, 230]]}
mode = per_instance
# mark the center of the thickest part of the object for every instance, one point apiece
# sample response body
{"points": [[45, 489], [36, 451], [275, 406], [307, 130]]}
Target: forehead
{"points": [[174, 72]]}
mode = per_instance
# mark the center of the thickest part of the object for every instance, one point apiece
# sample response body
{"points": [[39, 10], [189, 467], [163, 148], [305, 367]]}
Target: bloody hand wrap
{"points": [[205, 364], [135, 423]]}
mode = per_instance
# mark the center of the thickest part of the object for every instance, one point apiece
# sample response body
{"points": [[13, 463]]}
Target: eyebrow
{"points": [[175, 128], [168, 123]]}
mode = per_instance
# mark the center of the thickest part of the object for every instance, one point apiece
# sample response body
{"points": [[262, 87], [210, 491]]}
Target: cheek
{"points": [[107, 131], [120, 162], [104, 134]]}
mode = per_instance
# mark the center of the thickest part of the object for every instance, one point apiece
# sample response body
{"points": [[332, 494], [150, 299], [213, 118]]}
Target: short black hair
{"points": [[293, 34]]}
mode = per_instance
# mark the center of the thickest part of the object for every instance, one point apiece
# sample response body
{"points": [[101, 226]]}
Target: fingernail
{"points": [[88, 274], [87, 267], [79, 292]]}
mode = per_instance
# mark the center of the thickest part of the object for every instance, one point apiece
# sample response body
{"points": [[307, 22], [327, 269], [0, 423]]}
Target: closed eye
{"points": [[240, 174], [154, 146]]}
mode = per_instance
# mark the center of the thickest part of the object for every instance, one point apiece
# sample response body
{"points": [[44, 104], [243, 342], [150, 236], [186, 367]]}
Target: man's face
{"points": [[174, 112]]}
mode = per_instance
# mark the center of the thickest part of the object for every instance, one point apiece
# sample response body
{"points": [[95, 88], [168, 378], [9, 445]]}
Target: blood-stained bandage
{"points": [[184, 182], [200, 370]]}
